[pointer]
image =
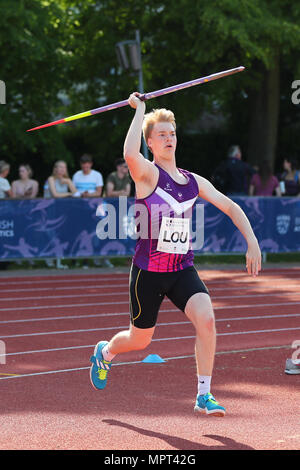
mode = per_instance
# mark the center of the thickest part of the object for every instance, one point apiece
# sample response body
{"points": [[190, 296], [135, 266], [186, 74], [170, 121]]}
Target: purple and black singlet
{"points": [[165, 247]]}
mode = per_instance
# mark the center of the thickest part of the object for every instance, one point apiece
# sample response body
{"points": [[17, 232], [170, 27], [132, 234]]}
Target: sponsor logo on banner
{"points": [[6, 228], [2, 352], [297, 224], [2, 92], [283, 223]]}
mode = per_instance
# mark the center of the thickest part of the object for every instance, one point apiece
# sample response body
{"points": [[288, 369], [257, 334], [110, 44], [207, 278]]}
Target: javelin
{"points": [[144, 97]]}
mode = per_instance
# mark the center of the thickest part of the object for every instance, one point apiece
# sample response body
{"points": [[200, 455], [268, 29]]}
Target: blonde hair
{"points": [[4, 166], [156, 115], [28, 169], [54, 172]]}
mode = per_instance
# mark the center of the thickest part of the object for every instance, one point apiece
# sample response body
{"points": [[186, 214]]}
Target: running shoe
{"points": [[292, 367], [207, 404], [100, 367]]}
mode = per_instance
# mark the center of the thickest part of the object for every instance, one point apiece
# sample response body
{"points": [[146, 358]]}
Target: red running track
{"points": [[50, 324]]}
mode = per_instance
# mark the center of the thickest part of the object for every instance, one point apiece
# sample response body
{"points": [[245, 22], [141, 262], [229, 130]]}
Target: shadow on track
{"points": [[180, 443]]}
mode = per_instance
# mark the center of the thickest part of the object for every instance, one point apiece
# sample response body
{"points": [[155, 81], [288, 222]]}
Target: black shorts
{"points": [[148, 289]]}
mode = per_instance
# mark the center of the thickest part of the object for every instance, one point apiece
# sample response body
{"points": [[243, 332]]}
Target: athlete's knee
{"points": [[202, 316], [210, 324], [141, 339], [205, 321], [141, 343]]}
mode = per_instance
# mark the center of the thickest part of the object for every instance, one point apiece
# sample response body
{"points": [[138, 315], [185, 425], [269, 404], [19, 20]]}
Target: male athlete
{"points": [[163, 263]]}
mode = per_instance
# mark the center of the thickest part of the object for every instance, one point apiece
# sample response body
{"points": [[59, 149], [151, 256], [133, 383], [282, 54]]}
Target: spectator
{"points": [[25, 187], [233, 176], [264, 183], [5, 188], [88, 182], [59, 184], [290, 178], [118, 183]]}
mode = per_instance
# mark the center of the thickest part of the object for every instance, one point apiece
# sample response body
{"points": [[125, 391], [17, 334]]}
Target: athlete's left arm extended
{"points": [[208, 192]]}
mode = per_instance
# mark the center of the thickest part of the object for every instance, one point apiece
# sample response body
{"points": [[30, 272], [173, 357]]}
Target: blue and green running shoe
{"points": [[100, 367], [207, 404]]}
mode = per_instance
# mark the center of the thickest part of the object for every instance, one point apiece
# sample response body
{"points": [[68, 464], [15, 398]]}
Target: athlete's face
{"points": [[163, 140]]}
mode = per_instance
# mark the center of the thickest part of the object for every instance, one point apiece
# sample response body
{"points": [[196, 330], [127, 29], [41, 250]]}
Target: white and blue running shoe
{"points": [[207, 404], [100, 367]]}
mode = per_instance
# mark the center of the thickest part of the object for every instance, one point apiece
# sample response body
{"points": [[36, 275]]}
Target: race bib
{"points": [[174, 235]]}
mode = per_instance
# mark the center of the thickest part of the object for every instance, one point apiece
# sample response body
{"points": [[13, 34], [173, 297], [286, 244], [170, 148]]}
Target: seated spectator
{"points": [[59, 184], [5, 188], [25, 187], [290, 178], [118, 183], [88, 182], [264, 183], [232, 176]]}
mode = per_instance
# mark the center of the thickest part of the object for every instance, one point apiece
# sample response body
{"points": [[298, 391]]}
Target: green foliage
{"points": [[32, 66]]}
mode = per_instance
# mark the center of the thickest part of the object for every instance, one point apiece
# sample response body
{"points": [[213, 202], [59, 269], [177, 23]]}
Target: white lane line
{"points": [[64, 279], [74, 317], [107, 277], [35, 351], [97, 315], [232, 333], [223, 289], [66, 296], [117, 328], [41, 307], [257, 287], [125, 292], [96, 304], [234, 351], [38, 289], [125, 327]]}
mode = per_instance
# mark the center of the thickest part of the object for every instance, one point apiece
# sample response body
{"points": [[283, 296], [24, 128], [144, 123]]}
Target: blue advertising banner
{"points": [[76, 227]]}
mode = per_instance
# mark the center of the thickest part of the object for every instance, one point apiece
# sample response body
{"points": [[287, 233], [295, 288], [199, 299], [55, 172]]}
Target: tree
{"points": [[33, 64], [216, 34], [62, 61], [184, 40]]}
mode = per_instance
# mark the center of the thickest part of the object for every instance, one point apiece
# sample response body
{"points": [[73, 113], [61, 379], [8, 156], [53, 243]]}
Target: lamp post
{"points": [[135, 63]]}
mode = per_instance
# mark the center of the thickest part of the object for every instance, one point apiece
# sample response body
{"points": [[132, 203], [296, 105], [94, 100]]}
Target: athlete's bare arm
{"points": [[208, 192], [142, 171]]}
